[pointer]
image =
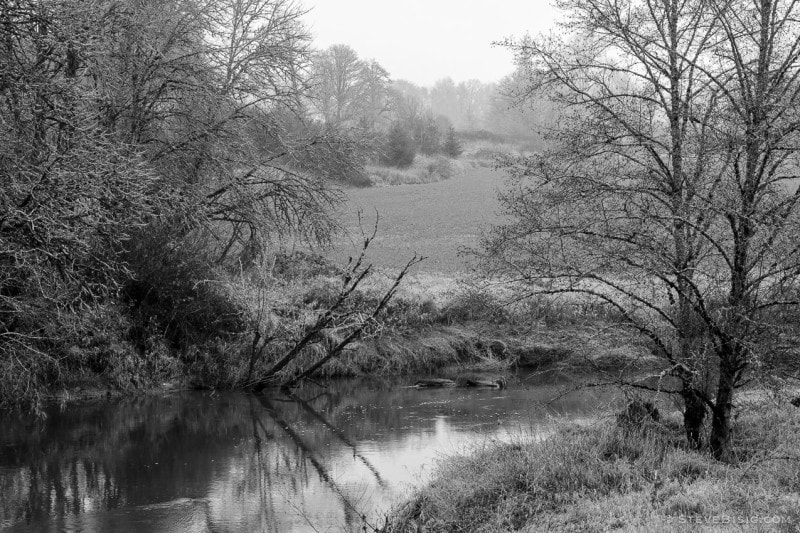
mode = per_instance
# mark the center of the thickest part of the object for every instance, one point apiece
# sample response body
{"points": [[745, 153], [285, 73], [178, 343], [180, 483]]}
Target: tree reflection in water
{"points": [[319, 458]]}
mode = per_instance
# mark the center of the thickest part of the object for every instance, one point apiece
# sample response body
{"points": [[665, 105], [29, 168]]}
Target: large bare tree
{"points": [[663, 192]]}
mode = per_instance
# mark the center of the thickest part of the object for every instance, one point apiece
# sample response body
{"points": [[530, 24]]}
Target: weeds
{"points": [[180, 327], [605, 476], [425, 169]]}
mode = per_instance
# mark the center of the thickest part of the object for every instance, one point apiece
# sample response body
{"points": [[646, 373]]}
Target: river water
{"points": [[334, 458]]}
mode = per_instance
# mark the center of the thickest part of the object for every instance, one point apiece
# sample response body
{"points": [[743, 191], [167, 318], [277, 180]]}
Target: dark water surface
{"points": [[318, 461]]}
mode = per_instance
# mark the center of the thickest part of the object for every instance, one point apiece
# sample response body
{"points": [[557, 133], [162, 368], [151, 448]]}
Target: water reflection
{"points": [[326, 459]]}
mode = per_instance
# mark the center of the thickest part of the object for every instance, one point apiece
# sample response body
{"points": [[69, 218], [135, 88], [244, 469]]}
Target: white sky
{"points": [[425, 40]]}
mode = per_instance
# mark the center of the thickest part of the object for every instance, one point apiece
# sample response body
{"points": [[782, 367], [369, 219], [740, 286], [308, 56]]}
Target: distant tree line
{"points": [[347, 91], [405, 119]]}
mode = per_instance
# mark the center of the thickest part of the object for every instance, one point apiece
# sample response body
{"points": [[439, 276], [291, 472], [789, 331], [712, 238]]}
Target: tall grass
{"points": [[413, 334], [613, 477], [425, 169], [486, 152]]}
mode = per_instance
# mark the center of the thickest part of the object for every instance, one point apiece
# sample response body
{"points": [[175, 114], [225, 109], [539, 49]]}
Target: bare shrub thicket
{"points": [[132, 131]]}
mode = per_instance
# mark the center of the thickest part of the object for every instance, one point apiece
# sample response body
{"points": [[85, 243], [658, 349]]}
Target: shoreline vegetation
{"points": [[618, 474], [607, 474], [433, 326], [155, 180], [181, 322]]}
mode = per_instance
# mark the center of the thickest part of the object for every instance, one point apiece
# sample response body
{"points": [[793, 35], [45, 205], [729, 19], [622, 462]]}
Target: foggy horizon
{"points": [[423, 42]]}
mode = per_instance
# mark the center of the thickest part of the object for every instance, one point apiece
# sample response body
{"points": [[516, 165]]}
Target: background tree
{"points": [[511, 112], [444, 99], [452, 146], [349, 91], [472, 99], [338, 84], [399, 149], [377, 101], [642, 200]]}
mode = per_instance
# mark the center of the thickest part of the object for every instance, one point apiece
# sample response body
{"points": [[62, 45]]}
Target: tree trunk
{"points": [[694, 415], [721, 414]]}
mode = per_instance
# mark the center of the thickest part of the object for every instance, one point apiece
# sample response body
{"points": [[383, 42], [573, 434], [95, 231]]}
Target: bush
{"points": [[474, 304], [399, 149], [439, 168], [302, 265], [424, 170], [452, 147], [428, 136], [356, 178], [484, 135], [176, 290]]}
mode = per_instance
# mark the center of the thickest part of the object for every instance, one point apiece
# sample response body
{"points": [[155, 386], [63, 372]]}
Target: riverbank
{"points": [[608, 476], [184, 323], [433, 327]]}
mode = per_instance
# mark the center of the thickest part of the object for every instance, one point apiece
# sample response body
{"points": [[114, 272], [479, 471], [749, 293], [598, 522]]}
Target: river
{"points": [[333, 458]]}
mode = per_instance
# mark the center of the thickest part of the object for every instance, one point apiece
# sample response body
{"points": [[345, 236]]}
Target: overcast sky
{"points": [[425, 40]]}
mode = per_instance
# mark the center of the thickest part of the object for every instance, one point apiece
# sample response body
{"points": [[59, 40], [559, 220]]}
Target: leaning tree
{"points": [[666, 191]]}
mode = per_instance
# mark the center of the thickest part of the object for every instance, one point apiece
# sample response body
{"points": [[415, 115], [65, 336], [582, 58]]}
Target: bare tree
{"points": [[444, 99], [759, 83], [472, 102], [377, 101], [352, 322], [643, 201], [339, 88]]}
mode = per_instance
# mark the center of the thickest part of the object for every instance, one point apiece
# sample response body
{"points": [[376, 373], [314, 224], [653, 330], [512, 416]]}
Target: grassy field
{"points": [[433, 219]]}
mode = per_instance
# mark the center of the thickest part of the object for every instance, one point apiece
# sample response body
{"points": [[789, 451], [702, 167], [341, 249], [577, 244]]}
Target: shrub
{"points": [[302, 265], [439, 168], [475, 304], [175, 289], [428, 137], [399, 149], [424, 170], [356, 178], [452, 147]]}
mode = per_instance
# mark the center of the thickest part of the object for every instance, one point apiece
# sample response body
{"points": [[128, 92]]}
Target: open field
{"points": [[433, 219]]}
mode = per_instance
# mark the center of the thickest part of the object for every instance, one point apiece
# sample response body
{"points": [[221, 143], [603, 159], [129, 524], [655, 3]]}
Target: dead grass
{"points": [[425, 169], [604, 477], [435, 324], [416, 333]]}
